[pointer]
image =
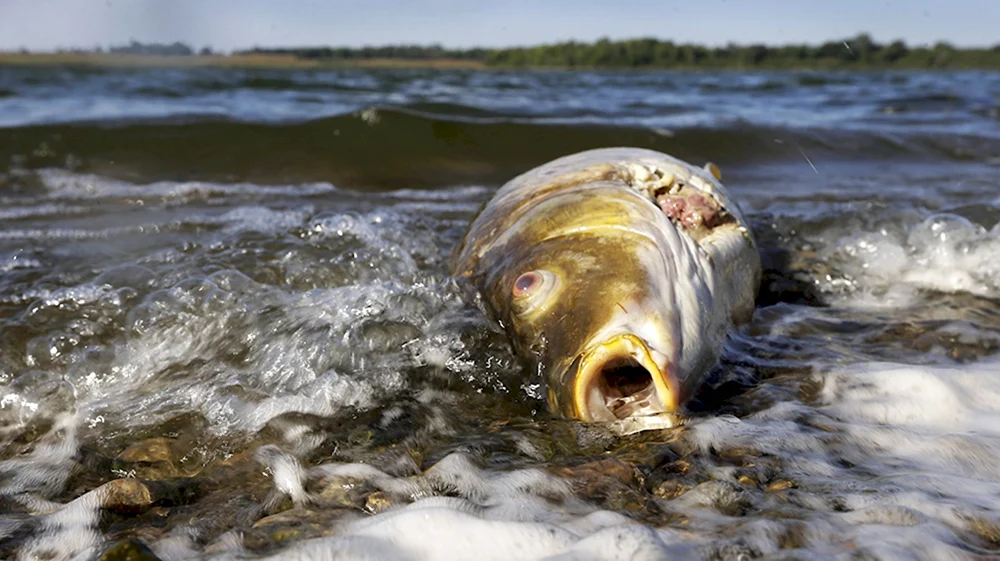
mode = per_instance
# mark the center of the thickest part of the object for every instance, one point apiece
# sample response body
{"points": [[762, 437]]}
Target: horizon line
{"points": [[196, 47]]}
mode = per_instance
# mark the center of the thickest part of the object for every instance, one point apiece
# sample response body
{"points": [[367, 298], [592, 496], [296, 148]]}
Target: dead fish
{"points": [[617, 274]]}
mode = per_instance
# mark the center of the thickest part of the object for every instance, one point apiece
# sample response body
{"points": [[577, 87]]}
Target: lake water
{"points": [[227, 329]]}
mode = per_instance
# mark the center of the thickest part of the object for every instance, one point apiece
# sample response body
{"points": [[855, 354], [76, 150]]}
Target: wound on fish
{"points": [[693, 210]]}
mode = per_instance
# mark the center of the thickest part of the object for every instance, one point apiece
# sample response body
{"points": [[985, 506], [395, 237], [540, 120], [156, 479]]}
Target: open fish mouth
{"points": [[622, 378]]}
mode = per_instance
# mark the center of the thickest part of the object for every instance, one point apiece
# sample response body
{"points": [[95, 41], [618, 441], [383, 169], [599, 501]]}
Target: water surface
{"points": [[227, 329]]}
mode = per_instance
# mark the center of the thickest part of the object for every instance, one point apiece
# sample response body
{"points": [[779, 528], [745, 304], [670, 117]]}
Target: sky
{"points": [[225, 25]]}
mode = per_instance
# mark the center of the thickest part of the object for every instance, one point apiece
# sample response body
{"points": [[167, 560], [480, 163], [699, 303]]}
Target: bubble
{"points": [[338, 227], [232, 281], [945, 233], [51, 349], [187, 300], [132, 276], [34, 400], [382, 336]]}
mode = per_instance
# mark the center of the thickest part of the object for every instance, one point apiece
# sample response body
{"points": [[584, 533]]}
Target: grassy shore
{"points": [[215, 61], [623, 55]]}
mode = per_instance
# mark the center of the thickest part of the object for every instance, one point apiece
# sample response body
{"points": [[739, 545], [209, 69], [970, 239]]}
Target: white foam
{"points": [[16, 260], [428, 532], [66, 531], [887, 267], [45, 469], [43, 210], [928, 435], [70, 233], [939, 399], [943, 420], [71, 533], [289, 477], [263, 220], [179, 545], [65, 185], [522, 514]]}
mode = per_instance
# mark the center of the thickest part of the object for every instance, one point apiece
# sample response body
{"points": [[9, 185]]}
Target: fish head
{"points": [[592, 289]]}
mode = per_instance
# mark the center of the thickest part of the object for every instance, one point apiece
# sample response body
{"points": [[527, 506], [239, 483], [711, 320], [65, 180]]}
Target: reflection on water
{"points": [[236, 338]]}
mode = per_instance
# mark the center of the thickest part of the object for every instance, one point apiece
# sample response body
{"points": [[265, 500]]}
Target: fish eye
{"points": [[527, 283], [531, 290]]}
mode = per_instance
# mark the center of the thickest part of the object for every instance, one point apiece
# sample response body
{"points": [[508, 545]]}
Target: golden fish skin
{"points": [[616, 273]]}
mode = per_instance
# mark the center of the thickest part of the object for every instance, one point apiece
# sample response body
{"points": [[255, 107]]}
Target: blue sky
{"points": [[230, 24]]}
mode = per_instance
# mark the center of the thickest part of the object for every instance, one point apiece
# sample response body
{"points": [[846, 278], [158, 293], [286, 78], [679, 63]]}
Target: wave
{"points": [[429, 145], [277, 82]]}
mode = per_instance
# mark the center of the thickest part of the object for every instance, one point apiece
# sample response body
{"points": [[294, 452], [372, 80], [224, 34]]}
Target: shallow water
{"points": [[227, 329]]}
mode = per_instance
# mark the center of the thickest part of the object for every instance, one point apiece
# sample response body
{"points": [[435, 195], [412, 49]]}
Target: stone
{"points": [[133, 496], [149, 451], [670, 489], [780, 485], [128, 550], [154, 458], [378, 502], [127, 496], [292, 525]]}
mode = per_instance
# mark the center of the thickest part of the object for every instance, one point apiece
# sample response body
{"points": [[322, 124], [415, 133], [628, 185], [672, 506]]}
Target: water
{"points": [[227, 329]]}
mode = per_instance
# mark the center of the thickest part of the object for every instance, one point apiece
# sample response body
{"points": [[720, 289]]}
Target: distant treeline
{"points": [[136, 48], [858, 52], [403, 52]]}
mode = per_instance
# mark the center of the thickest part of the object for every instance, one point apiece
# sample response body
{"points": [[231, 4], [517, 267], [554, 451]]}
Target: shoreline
{"points": [[221, 61], [278, 61]]}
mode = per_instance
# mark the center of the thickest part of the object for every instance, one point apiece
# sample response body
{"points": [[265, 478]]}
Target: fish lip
{"points": [[593, 404]]}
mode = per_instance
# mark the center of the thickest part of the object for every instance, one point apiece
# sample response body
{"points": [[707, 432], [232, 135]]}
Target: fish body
{"points": [[616, 274]]}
